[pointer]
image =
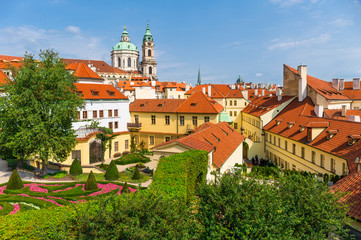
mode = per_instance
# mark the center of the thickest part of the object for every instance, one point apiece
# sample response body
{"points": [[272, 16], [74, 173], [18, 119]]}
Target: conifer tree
{"points": [[112, 172], [15, 181], [125, 188], [136, 175], [75, 168], [91, 183]]}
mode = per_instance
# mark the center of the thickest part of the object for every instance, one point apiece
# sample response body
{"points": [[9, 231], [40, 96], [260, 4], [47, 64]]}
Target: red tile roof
{"points": [[252, 93], [220, 137], [3, 78], [349, 92], [10, 58], [98, 91], [130, 85], [337, 113], [197, 103], [217, 90], [262, 105], [82, 71], [322, 87], [302, 113], [100, 66]]}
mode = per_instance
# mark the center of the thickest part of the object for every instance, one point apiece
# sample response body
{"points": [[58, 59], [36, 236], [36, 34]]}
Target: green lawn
{"points": [[124, 177]]}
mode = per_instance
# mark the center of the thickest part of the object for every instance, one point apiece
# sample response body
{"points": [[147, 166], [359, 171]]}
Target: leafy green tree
{"points": [[75, 168], [15, 181], [91, 183], [133, 145], [112, 172], [293, 207], [38, 109], [106, 138]]}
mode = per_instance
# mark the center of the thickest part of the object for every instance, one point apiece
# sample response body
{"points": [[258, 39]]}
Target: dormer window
{"points": [[290, 124], [352, 139], [111, 93], [142, 105], [331, 133], [160, 104], [193, 104], [302, 128], [278, 121], [79, 93], [309, 134], [95, 93]]}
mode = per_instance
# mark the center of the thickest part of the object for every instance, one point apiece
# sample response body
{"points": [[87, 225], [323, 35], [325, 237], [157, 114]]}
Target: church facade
{"points": [[125, 55]]}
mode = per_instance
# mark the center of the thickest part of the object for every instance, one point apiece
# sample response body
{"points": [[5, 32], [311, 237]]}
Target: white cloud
{"points": [[290, 3], [18, 40], [259, 74], [73, 29], [297, 43], [341, 22]]}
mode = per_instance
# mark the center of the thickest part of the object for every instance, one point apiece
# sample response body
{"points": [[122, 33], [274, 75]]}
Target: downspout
{"points": [[177, 125]]}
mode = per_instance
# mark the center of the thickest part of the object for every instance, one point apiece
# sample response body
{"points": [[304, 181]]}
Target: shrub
{"points": [[140, 165], [132, 158], [125, 153], [136, 175], [112, 172], [116, 155], [91, 183], [75, 168], [125, 188], [14, 181]]}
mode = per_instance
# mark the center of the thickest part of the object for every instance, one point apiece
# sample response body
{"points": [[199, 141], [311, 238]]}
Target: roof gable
{"points": [[99, 91]]}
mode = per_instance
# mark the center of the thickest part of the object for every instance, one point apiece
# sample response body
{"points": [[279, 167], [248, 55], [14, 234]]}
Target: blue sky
{"points": [[225, 38]]}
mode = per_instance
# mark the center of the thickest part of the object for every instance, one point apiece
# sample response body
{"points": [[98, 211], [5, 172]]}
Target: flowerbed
{"points": [[39, 195]]}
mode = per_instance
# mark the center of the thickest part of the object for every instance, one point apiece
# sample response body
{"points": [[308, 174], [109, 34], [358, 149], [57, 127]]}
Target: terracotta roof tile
{"points": [[337, 113], [10, 58], [349, 92], [217, 91], [100, 66], [262, 105], [155, 105], [199, 103], [82, 71], [98, 91], [3, 78]]}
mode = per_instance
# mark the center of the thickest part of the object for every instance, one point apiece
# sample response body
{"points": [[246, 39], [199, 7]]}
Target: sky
{"points": [[224, 39]]}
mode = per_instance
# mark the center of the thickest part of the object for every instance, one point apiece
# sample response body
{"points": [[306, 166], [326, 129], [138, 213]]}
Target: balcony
{"points": [[191, 127], [134, 127]]}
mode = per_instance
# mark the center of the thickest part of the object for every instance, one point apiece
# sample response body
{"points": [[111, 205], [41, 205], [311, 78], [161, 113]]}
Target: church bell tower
{"points": [[148, 64]]}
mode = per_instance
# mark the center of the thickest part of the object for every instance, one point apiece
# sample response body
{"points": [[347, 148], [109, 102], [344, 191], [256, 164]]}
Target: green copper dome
{"points": [[125, 46], [148, 36]]}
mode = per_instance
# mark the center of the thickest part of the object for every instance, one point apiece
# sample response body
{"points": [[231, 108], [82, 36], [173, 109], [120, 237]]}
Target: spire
{"points": [[125, 36], [147, 36], [199, 77]]}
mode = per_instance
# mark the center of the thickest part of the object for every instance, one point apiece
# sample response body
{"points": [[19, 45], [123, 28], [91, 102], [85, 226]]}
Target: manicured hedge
{"points": [[132, 158], [178, 175]]}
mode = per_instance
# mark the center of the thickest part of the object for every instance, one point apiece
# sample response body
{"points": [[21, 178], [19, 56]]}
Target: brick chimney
{"points": [[302, 82], [344, 109], [319, 110], [209, 91], [356, 84], [342, 84], [336, 84]]}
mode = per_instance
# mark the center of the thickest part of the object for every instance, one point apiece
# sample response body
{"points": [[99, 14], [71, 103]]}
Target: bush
{"points": [[140, 165], [131, 158], [125, 153], [116, 155], [179, 175], [75, 168], [91, 183], [112, 172], [14, 181], [125, 188], [136, 175]]}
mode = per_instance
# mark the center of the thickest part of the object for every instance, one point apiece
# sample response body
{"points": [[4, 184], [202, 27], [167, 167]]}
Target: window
{"points": [[279, 142], [344, 169], [194, 121], [150, 70], [322, 161], [167, 139], [95, 114], [94, 93], [110, 125], [235, 125], [101, 113], [153, 119], [313, 157], [303, 152], [116, 146], [235, 113], [115, 112], [136, 118], [230, 113], [149, 52], [181, 120], [274, 140], [78, 115], [119, 62], [151, 140], [76, 154], [85, 114], [333, 165], [293, 148], [167, 120], [110, 113], [129, 62], [235, 103], [206, 119], [116, 125], [286, 147], [126, 144], [230, 102]]}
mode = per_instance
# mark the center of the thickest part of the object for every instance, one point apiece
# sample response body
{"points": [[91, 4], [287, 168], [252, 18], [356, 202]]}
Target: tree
{"points": [[91, 183], [133, 145], [293, 207], [106, 138], [136, 175], [112, 172], [15, 181], [75, 168], [38, 109]]}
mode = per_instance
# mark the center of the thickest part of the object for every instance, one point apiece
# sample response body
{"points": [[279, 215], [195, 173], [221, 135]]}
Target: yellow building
{"points": [[155, 121]]}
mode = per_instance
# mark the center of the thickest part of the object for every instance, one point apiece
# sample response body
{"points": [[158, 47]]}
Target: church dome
{"points": [[125, 46]]}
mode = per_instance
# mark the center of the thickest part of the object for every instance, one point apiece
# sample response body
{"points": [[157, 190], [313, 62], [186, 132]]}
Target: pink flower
{"points": [[35, 188], [2, 189], [1, 207], [16, 209]]}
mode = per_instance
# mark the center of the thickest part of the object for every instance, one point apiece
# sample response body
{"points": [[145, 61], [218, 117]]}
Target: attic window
{"points": [[302, 128], [331, 133], [290, 124], [352, 139], [193, 104], [111, 93], [79, 93], [142, 105], [216, 137], [278, 121], [160, 104], [95, 93]]}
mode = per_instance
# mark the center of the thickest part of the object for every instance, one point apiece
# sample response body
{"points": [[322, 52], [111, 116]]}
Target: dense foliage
{"points": [[15, 181], [75, 168], [136, 175], [38, 108], [91, 183], [132, 158], [179, 175], [112, 172]]}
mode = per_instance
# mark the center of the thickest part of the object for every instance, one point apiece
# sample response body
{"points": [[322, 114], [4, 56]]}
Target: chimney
{"points": [[319, 110], [344, 109], [356, 84], [342, 84], [256, 92], [204, 90], [153, 83], [252, 85], [238, 86], [354, 118], [262, 92], [209, 91], [279, 97], [302, 83], [335, 84], [279, 94], [233, 86]]}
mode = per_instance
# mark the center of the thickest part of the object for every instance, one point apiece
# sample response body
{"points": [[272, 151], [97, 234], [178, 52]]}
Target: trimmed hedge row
{"points": [[132, 158], [178, 175]]}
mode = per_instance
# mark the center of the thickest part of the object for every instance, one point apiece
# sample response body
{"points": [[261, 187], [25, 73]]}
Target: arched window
{"points": [[129, 62], [149, 52], [150, 70], [119, 62]]}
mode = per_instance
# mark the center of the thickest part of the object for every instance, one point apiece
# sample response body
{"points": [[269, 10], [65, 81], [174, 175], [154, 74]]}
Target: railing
{"points": [[134, 125], [84, 131], [191, 127]]}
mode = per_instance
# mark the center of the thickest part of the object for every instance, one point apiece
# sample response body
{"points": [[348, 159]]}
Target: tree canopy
{"points": [[38, 109]]}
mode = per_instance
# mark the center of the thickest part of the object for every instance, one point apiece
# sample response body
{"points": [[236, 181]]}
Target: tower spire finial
{"points": [[199, 76]]}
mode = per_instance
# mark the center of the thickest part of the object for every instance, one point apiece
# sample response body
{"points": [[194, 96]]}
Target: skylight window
{"points": [[193, 104], [111, 93], [95, 93]]}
